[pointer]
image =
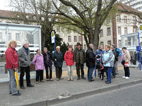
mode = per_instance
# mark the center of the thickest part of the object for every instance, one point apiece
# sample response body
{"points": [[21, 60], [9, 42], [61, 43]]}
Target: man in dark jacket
{"points": [[58, 62], [47, 63], [79, 59], [90, 61]]}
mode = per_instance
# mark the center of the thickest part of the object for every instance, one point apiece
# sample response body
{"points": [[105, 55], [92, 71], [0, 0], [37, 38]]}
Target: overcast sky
{"points": [[4, 5]]}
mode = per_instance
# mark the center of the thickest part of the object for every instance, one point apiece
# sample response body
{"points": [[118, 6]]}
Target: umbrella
{"points": [[17, 81]]}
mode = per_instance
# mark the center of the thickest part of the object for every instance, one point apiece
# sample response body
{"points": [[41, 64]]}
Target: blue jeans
{"points": [[90, 73], [109, 72]]}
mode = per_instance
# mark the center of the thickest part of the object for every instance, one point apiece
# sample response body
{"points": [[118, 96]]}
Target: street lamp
{"points": [[53, 39]]}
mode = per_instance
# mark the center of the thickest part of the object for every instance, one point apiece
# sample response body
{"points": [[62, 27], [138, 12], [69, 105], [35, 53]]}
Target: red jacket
{"points": [[69, 58], [11, 58]]}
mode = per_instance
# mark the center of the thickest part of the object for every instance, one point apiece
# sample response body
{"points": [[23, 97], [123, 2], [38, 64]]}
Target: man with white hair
{"points": [[24, 63], [58, 62], [90, 61]]}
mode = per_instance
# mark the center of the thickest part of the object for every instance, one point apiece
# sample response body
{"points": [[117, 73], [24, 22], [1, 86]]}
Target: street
{"points": [[130, 96]]}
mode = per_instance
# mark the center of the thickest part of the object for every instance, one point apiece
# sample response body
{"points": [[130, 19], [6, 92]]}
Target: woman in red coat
{"points": [[11, 65], [69, 62]]}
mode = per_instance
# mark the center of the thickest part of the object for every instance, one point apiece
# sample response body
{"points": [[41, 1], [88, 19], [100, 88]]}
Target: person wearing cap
{"points": [[58, 62], [125, 60], [11, 65], [79, 60], [24, 63], [48, 63]]}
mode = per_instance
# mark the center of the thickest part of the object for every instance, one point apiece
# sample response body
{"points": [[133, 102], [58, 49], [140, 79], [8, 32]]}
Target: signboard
{"points": [[138, 48], [52, 37]]}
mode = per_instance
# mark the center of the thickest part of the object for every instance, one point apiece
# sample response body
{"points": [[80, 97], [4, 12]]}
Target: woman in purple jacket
{"points": [[39, 66]]}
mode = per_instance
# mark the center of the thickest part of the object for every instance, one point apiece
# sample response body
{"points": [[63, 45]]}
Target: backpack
{"points": [[119, 51]]}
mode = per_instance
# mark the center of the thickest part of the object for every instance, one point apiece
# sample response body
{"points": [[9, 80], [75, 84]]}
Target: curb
{"points": [[85, 94]]}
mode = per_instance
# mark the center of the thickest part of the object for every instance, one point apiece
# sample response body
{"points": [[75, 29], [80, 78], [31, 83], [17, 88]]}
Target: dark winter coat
{"points": [[59, 59], [49, 62], [79, 56], [90, 58]]}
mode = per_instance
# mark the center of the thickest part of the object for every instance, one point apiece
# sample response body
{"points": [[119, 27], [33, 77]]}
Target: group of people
{"points": [[104, 61]]}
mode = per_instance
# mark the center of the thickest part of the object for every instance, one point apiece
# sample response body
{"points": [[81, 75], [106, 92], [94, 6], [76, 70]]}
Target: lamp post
{"points": [[53, 38]]}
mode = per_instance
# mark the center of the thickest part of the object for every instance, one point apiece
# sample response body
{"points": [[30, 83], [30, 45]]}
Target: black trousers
{"points": [[127, 71], [48, 76], [58, 72], [27, 70], [39, 74], [78, 66]]}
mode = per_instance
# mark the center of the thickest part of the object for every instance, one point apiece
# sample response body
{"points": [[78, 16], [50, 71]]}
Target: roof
{"points": [[124, 8]]}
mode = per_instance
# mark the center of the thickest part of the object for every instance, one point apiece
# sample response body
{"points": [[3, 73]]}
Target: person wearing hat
{"points": [[79, 60], [24, 63]]}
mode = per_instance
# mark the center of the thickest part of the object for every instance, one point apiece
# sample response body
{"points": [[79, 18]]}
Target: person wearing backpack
{"points": [[116, 54], [98, 54], [58, 62]]}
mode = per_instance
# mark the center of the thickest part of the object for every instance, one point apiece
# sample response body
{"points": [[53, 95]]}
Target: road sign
{"points": [[52, 37], [138, 48]]}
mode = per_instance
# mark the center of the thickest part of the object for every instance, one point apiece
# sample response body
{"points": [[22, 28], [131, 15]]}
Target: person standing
{"points": [[99, 54], [68, 57], [11, 65], [79, 60], [58, 62], [48, 63], [39, 65], [90, 61], [108, 62], [116, 54], [24, 58], [126, 62]]}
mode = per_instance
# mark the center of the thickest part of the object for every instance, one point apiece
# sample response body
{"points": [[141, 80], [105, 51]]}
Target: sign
{"points": [[140, 31], [52, 37], [138, 48]]}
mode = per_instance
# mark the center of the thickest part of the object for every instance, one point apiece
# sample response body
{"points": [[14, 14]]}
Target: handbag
{"points": [[123, 62]]}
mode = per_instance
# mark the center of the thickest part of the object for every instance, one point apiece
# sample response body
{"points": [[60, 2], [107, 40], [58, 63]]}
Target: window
{"points": [[125, 19], [119, 30], [69, 38], [101, 33], [134, 29], [102, 44], [134, 20], [125, 30], [17, 36], [9, 36], [0, 36], [118, 18], [119, 43], [109, 42], [75, 39], [108, 32], [79, 38], [85, 47], [126, 42]]}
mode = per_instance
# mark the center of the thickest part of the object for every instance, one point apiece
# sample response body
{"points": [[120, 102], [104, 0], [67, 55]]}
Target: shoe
{"points": [[17, 94], [83, 78], [108, 82], [68, 79], [22, 87], [127, 77], [90, 80], [42, 81], [104, 76], [57, 79], [61, 78], [36, 82], [30, 85], [71, 79], [78, 78], [123, 77], [10, 93], [51, 80]]}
